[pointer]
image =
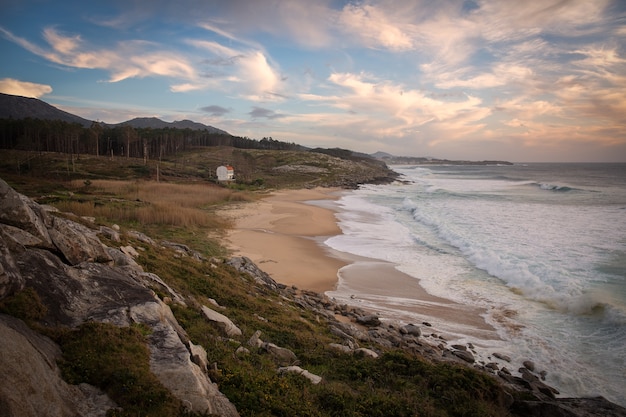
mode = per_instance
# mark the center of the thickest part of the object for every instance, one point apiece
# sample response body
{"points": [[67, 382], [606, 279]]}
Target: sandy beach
{"points": [[283, 234]]}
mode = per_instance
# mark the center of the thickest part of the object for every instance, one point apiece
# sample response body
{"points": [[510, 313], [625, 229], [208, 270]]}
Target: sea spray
{"points": [[540, 247]]}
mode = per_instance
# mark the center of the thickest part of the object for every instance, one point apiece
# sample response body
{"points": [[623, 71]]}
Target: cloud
{"points": [[374, 28], [246, 71], [215, 110], [258, 112], [23, 88], [129, 59]]}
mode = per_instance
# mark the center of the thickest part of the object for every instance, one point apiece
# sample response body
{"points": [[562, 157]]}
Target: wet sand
{"points": [[283, 234]]}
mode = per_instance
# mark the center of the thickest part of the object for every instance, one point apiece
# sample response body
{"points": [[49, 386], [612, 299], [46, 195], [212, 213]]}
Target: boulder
{"points": [[411, 330], [282, 355], [369, 320], [222, 321], [18, 211], [11, 279], [464, 355], [76, 242], [255, 340], [366, 352], [31, 383], [315, 379]]}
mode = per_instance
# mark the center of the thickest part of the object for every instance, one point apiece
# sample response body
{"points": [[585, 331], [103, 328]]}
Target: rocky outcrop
{"points": [[78, 279], [28, 361]]}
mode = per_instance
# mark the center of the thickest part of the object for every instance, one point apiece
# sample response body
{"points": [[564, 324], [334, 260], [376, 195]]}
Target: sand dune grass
{"points": [[149, 202]]}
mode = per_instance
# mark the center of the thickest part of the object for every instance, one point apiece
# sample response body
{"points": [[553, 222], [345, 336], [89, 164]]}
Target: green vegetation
{"points": [[181, 207], [118, 361]]}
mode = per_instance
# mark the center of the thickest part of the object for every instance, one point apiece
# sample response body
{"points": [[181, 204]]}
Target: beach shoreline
{"points": [[284, 233]]}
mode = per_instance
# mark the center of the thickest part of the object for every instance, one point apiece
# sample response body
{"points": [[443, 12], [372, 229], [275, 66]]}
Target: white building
{"points": [[225, 173]]}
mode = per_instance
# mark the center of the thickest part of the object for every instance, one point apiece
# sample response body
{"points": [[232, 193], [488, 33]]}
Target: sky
{"points": [[522, 81]]}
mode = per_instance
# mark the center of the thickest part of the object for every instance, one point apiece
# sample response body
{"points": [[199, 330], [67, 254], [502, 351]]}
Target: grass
{"points": [[118, 361]]}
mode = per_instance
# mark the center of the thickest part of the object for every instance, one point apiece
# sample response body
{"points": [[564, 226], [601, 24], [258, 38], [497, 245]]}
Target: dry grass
{"points": [[156, 203]]}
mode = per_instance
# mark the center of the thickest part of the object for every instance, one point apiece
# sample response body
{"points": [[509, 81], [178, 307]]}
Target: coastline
{"points": [[283, 233]]}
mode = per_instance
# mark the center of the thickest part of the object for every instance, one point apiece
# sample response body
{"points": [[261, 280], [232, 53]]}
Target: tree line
{"points": [[119, 140]]}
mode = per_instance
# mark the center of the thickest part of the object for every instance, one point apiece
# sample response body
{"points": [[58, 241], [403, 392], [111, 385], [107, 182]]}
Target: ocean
{"points": [[538, 249]]}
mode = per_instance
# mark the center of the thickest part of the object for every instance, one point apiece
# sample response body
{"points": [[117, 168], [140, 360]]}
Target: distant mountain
{"points": [[18, 107], [155, 123]]}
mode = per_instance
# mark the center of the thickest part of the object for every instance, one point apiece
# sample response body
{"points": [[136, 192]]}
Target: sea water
{"points": [[540, 248]]}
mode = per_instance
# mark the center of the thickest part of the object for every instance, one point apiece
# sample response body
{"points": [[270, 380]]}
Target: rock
{"points": [[493, 366], [282, 355], [110, 233], [198, 356], [170, 361], [366, 352], [141, 237], [18, 211], [222, 321], [340, 348], [569, 407], [411, 329], [465, 355], [155, 282], [77, 243], [123, 260], [31, 384], [245, 265], [530, 365], [11, 280], [315, 379], [130, 251], [78, 281], [502, 356], [369, 320], [255, 340]]}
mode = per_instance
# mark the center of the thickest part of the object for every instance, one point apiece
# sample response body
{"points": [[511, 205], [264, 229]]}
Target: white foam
{"points": [[527, 256]]}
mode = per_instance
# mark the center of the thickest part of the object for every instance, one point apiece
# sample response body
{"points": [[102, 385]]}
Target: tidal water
{"points": [[540, 248]]}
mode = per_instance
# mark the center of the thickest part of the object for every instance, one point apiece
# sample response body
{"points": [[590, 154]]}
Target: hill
{"points": [[156, 123], [17, 107]]}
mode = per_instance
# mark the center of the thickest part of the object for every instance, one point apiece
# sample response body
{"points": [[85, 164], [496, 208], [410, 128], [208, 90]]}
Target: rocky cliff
{"points": [[78, 281]]}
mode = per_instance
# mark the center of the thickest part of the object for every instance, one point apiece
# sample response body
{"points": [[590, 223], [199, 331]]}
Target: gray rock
{"points": [[465, 355], [222, 321], [255, 340], [77, 243], [31, 381], [340, 348], [369, 320], [411, 329], [18, 211], [11, 279], [315, 379], [366, 352], [282, 355], [502, 356]]}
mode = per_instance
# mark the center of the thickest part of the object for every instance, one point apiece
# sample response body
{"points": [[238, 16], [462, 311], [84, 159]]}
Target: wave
{"points": [[555, 187]]}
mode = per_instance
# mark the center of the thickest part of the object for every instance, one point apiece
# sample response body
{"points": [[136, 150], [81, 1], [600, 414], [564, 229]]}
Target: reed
{"points": [[148, 203]]}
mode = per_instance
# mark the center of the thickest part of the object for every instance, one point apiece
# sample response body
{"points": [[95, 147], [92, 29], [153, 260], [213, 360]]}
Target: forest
{"points": [[40, 135]]}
